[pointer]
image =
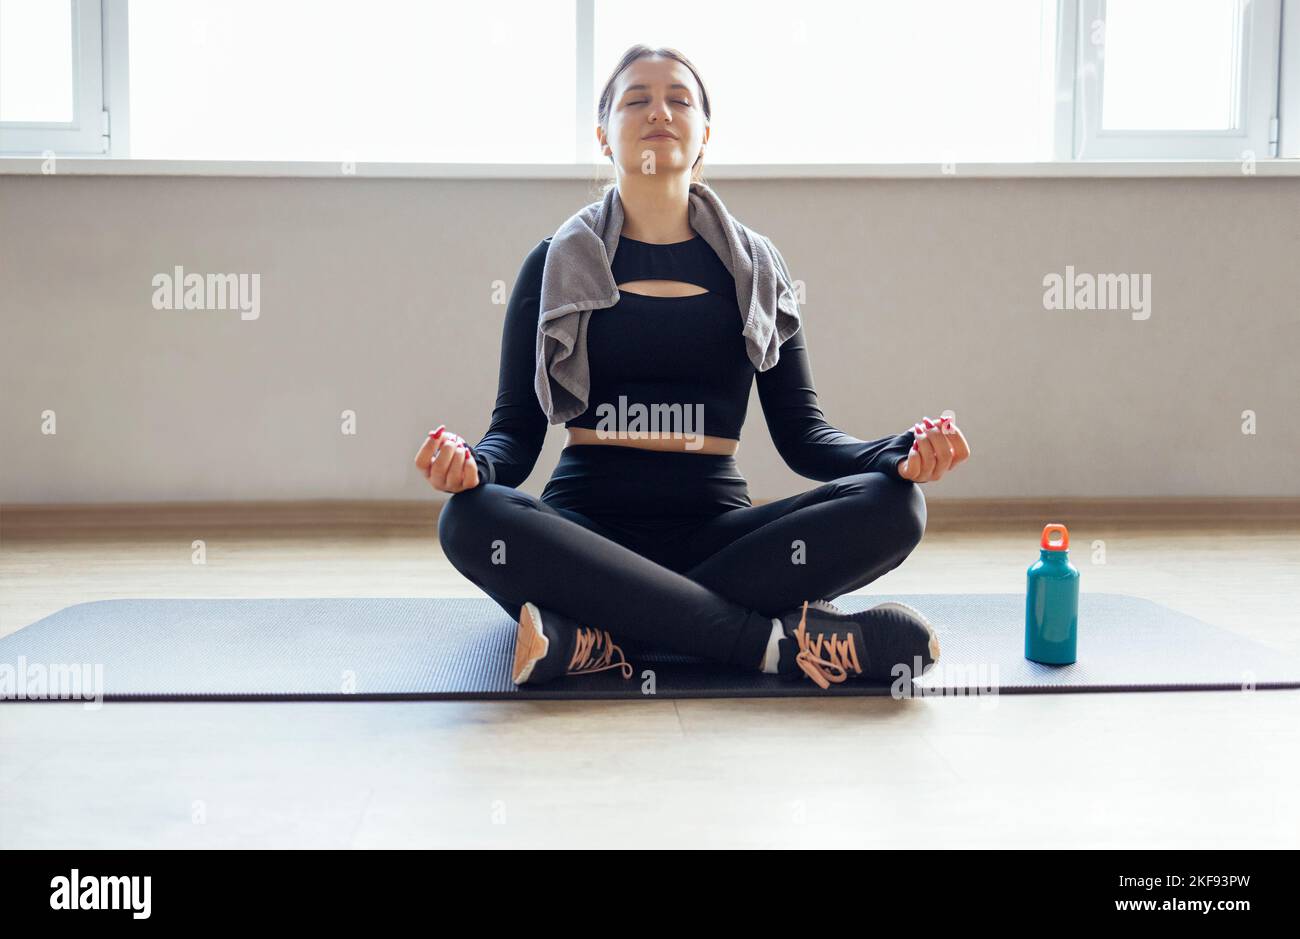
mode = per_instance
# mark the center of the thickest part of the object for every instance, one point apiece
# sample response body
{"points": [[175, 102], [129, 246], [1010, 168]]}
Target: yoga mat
{"points": [[397, 648]]}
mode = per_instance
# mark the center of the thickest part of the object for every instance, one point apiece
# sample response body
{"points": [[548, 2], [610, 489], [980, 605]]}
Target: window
{"points": [[515, 81], [1177, 79], [51, 77], [384, 80], [872, 81]]}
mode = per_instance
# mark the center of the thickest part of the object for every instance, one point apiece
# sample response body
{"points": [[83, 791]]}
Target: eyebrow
{"points": [[647, 87]]}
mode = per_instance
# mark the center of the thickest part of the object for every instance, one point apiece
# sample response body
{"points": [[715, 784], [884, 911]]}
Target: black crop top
{"points": [[669, 350]]}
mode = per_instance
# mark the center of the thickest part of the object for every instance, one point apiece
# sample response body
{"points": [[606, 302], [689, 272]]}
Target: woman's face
{"points": [[656, 119]]}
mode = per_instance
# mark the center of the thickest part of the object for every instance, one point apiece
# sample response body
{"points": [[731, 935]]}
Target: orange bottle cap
{"points": [[1056, 528]]}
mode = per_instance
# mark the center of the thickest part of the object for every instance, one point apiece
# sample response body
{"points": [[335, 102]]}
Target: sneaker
{"points": [[829, 645], [551, 646]]}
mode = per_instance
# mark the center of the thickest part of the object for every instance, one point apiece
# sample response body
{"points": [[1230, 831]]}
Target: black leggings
{"points": [[665, 550]]}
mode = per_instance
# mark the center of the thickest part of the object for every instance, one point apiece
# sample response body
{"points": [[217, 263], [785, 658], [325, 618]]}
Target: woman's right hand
{"points": [[446, 462]]}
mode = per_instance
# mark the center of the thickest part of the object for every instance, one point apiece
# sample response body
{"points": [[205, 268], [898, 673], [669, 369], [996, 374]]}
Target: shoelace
{"points": [[841, 654], [594, 652]]}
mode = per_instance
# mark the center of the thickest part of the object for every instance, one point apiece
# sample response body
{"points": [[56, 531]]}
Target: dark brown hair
{"points": [[606, 101]]}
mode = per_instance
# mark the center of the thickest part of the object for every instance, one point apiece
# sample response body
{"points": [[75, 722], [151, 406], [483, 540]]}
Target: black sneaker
{"points": [[829, 645], [553, 645]]}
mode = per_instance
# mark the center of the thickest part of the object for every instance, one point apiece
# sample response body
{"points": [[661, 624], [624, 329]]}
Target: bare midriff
{"points": [[699, 443]]}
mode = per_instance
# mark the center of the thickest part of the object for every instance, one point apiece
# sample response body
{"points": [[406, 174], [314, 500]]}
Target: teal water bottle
{"points": [[1052, 601]]}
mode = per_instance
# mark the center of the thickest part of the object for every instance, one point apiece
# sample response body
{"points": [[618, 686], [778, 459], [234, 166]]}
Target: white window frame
{"points": [[1288, 92], [88, 131], [1255, 133], [1270, 90]]}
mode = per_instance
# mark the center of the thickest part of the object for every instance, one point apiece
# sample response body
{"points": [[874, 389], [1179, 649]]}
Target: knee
{"points": [[463, 518], [896, 508], [910, 506], [471, 519]]}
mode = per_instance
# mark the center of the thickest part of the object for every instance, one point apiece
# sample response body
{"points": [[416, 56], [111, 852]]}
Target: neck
{"points": [[656, 207]]}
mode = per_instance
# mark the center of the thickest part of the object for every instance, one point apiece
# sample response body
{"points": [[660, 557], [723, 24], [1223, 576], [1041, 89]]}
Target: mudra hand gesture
{"points": [[446, 461], [937, 448]]}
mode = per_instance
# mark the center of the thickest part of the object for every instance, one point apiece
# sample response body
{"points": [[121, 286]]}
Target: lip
{"points": [[659, 137]]}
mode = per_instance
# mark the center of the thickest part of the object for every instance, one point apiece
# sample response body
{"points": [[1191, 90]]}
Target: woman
{"points": [[650, 541]]}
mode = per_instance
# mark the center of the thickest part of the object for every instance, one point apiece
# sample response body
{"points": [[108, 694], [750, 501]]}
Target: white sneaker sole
{"points": [[531, 643], [929, 627]]}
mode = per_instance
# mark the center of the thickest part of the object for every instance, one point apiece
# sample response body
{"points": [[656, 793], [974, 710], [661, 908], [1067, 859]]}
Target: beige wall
{"points": [[376, 296]]}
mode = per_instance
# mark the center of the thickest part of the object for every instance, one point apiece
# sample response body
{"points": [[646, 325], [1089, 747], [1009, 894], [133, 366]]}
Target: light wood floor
{"points": [[1147, 769]]}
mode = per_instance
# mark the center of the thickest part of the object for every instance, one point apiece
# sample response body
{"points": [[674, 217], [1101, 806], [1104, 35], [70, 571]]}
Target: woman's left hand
{"points": [[938, 447]]}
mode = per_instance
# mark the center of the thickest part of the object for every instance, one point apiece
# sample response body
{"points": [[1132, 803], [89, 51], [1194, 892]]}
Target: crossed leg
{"points": [[818, 544], [517, 548]]}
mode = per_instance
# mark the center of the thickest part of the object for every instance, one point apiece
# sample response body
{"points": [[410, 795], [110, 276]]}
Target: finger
{"points": [[448, 468], [911, 468], [935, 425], [469, 476], [925, 448], [942, 450], [947, 427], [907, 466], [442, 460], [424, 456], [960, 447], [434, 473], [458, 475], [916, 461], [434, 447], [456, 470], [917, 429]]}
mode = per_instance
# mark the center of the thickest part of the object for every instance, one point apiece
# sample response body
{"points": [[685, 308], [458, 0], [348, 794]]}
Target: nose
{"points": [[663, 111]]}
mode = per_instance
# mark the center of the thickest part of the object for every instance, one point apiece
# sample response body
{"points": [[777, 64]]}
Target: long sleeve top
{"points": [[654, 351]]}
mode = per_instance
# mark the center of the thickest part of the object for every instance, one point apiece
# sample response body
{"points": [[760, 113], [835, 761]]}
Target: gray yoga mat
{"points": [[396, 648]]}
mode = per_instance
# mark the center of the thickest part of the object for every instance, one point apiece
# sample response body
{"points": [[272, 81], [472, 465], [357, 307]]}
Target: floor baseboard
{"points": [[36, 519]]}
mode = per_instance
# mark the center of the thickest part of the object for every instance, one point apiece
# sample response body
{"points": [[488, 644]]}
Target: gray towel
{"points": [[578, 278]]}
